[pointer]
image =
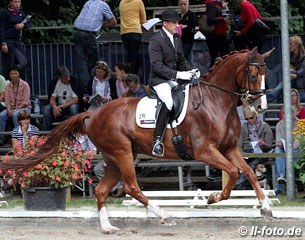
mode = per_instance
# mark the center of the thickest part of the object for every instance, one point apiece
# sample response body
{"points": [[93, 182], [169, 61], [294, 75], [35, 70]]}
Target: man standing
{"points": [[64, 93], [167, 64], [188, 21], [94, 15], [132, 15], [12, 22]]}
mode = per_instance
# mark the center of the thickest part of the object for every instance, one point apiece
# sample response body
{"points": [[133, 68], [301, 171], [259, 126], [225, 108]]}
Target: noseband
{"points": [[251, 72]]}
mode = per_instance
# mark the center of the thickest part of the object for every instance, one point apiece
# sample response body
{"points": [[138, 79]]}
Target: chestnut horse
{"points": [[210, 131]]}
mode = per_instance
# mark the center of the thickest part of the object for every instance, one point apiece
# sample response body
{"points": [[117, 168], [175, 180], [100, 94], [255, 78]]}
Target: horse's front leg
{"points": [[236, 157], [214, 158]]}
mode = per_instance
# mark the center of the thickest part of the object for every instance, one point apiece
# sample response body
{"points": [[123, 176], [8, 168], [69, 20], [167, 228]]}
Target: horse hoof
{"points": [[266, 213], [110, 229], [169, 221], [213, 198]]}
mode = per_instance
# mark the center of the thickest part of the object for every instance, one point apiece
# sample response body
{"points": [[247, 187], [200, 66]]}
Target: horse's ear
{"points": [[267, 54], [253, 52]]}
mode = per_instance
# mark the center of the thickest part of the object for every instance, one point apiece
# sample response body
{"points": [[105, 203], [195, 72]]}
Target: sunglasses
{"points": [[101, 65], [64, 95], [250, 118]]}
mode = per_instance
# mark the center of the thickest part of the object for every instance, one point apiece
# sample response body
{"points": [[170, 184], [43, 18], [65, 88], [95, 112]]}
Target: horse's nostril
{"points": [[253, 78]]}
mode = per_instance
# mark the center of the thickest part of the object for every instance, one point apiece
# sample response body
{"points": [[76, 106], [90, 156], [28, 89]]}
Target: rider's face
{"points": [[171, 26]]}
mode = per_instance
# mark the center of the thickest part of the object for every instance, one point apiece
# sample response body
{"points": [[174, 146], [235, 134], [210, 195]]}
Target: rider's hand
{"points": [[184, 75], [196, 73]]}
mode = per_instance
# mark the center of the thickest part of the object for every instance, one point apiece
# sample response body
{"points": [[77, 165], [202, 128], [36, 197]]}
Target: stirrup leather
{"points": [[158, 149]]}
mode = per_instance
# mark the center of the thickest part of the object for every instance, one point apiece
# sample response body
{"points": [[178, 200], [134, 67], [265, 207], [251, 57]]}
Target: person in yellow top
{"points": [[132, 15]]}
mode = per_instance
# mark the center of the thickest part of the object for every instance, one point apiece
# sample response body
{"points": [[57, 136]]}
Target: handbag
{"points": [[262, 25], [204, 27]]}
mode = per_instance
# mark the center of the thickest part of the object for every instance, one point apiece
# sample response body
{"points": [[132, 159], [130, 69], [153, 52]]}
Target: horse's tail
{"points": [[67, 129]]}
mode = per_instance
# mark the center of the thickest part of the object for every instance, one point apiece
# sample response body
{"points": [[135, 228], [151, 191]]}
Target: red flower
{"points": [[90, 180], [57, 179], [75, 176], [77, 167], [64, 153], [25, 174], [38, 166], [54, 163], [66, 163]]}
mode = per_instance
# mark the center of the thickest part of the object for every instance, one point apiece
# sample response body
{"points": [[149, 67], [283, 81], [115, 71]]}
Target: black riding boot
{"points": [[161, 123]]}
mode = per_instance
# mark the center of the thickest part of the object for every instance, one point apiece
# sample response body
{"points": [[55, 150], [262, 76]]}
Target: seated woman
{"points": [[121, 70], [297, 71], [17, 98], [24, 132], [295, 101], [255, 137], [98, 88], [280, 162]]}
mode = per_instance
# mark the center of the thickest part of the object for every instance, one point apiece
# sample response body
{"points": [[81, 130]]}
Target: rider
{"points": [[167, 64]]}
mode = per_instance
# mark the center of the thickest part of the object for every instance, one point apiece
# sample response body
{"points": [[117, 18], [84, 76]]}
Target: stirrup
{"points": [[158, 149]]}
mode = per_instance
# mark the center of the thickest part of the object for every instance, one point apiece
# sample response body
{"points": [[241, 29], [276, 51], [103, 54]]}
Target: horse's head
{"points": [[253, 77]]}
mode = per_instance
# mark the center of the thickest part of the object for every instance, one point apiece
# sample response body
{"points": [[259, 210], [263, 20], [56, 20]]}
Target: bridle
{"points": [[248, 77], [251, 77]]}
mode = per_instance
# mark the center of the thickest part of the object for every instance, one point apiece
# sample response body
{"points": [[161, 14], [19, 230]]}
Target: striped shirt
{"points": [[17, 133], [93, 14]]}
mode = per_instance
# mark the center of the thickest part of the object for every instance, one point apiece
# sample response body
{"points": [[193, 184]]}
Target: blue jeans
{"points": [[87, 54], [16, 55], [132, 44], [4, 117], [280, 167], [48, 117], [274, 93]]}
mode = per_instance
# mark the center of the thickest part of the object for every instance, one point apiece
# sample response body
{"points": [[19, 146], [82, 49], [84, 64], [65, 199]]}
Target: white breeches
{"points": [[165, 94]]}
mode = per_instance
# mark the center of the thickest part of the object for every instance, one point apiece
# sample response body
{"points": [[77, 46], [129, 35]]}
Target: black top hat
{"points": [[170, 15]]}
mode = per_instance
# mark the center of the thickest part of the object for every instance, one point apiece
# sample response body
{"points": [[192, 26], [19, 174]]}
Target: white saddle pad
{"points": [[146, 111]]}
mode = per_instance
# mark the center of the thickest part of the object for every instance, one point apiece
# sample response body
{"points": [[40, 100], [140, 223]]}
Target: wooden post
{"points": [[225, 178], [68, 198]]}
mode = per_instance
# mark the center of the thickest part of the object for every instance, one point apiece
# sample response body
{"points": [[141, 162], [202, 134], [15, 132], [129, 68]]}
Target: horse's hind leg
{"points": [[132, 188], [102, 190], [237, 159]]}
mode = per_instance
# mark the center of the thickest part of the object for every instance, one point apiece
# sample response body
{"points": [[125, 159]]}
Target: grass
{"points": [[78, 201]]}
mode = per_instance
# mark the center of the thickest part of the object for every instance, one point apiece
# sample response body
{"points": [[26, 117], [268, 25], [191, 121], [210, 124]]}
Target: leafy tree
{"points": [[61, 13]]}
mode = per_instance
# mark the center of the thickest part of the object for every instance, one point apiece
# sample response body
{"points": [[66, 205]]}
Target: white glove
{"points": [[184, 75], [196, 73]]}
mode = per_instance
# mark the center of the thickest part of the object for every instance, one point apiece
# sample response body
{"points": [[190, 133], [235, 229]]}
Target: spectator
{"points": [[65, 97], [94, 15], [297, 72], [12, 22], [99, 86], [253, 35], [99, 171], [256, 136], [17, 98], [121, 70], [188, 21], [240, 111], [132, 16], [280, 162], [2, 92], [297, 63], [167, 63], [295, 101], [135, 88], [217, 40], [24, 132]]}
